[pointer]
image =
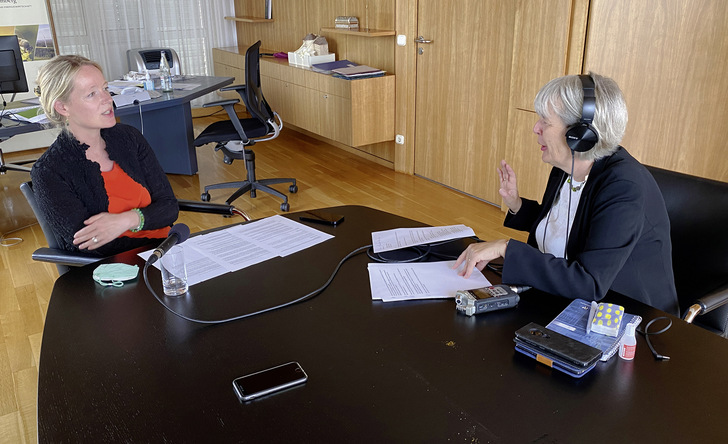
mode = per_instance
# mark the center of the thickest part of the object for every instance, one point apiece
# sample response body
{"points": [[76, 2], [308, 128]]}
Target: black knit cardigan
{"points": [[69, 188]]}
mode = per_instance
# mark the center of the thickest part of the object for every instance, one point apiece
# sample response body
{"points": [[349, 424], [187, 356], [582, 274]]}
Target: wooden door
{"points": [[463, 79]]}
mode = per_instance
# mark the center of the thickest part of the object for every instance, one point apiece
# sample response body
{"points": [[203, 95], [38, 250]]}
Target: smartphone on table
{"points": [[269, 381], [321, 217]]}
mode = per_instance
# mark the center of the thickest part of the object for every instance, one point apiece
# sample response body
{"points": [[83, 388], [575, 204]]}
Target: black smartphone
{"points": [[322, 217], [560, 346], [269, 381]]}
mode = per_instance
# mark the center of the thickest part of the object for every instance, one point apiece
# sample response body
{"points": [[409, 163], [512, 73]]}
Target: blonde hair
{"points": [[564, 96], [55, 82]]}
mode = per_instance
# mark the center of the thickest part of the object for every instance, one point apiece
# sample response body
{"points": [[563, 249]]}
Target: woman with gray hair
{"points": [[602, 223]]}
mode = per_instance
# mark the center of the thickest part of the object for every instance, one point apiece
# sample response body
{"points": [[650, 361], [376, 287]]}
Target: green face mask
{"points": [[115, 274]]}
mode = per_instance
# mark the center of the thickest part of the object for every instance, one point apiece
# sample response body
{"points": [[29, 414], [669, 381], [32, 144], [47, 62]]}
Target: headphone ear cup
{"points": [[581, 137]]}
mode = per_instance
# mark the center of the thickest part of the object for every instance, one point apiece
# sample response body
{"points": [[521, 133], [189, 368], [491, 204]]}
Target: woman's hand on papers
{"points": [[477, 255]]}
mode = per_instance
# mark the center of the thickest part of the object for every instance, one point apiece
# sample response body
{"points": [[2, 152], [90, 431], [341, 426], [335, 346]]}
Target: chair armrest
{"points": [[63, 257], [221, 103], [708, 303], [233, 88], [209, 207]]}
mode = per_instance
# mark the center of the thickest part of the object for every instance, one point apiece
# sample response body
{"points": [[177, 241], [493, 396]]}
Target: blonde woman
{"points": [[99, 184]]}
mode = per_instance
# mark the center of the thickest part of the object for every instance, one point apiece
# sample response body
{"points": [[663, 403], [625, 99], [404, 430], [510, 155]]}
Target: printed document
{"points": [[212, 254], [407, 237], [420, 280]]}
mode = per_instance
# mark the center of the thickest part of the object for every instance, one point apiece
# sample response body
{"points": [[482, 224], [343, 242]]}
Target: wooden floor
{"points": [[327, 176]]}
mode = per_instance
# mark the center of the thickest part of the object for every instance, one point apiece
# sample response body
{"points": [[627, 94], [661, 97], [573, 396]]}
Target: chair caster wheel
{"points": [[205, 197], [293, 188], [285, 207]]}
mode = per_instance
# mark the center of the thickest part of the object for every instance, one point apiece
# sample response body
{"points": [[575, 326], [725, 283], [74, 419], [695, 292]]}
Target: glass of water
{"points": [[174, 272]]}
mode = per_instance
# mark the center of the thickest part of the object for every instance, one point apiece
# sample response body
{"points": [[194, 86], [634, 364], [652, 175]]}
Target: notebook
{"points": [[572, 322]]}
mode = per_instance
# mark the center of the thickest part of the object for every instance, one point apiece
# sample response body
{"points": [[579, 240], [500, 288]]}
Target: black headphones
{"points": [[582, 136]]}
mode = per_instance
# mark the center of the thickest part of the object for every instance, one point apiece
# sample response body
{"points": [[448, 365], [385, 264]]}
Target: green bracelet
{"points": [[141, 220]]}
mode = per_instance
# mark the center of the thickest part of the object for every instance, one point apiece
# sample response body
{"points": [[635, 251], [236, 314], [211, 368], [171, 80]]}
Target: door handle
{"points": [[421, 39]]}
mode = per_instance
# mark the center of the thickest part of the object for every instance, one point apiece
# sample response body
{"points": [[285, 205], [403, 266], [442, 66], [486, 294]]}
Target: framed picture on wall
{"points": [[31, 21]]}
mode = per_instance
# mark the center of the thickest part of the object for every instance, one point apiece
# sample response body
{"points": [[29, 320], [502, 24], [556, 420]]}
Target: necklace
{"points": [[578, 185]]}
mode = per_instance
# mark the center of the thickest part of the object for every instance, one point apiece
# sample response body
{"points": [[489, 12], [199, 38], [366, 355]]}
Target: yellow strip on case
{"points": [[545, 360]]}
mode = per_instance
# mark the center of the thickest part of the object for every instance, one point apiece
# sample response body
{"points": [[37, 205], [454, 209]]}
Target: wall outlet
{"points": [[399, 139]]}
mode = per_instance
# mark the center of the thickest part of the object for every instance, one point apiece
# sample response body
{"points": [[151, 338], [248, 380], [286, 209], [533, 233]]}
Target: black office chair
{"points": [[263, 125], [698, 211], [65, 259]]}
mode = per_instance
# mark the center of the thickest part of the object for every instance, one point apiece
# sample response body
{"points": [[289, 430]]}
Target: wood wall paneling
{"points": [[548, 42], [670, 57]]}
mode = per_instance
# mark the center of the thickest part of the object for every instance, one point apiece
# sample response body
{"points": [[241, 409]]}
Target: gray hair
{"points": [[55, 82], [564, 96]]}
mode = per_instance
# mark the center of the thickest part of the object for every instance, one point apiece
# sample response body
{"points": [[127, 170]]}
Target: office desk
{"points": [[116, 366], [168, 123], [12, 128]]}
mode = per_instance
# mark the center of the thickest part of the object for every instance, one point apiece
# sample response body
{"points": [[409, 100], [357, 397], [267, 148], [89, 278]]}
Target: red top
{"points": [[125, 194]]}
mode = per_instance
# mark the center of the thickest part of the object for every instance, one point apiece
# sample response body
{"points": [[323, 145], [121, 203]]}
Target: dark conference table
{"points": [[168, 123], [116, 366]]}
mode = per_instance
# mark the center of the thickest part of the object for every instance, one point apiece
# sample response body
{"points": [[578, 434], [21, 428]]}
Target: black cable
{"points": [[265, 310], [568, 209], [421, 252], [495, 268], [648, 333], [141, 118], [210, 115]]}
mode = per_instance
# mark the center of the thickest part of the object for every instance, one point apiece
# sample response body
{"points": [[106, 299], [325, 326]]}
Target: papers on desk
{"points": [[420, 280], [407, 237], [213, 254], [24, 113]]}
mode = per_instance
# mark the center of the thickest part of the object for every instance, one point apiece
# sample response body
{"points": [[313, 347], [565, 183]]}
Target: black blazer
{"points": [[619, 241]]}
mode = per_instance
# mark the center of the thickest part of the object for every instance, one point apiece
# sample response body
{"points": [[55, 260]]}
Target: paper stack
{"points": [[357, 72]]}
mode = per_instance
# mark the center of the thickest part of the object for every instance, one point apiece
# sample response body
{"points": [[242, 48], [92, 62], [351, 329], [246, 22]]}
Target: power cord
{"points": [[420, 251], [141, 118], [310, 295], [648, 333]]}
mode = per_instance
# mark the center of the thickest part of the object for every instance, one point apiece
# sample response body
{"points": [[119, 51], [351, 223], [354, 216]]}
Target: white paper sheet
{"points": [[212, 254], [420, 280], [406, 237]]}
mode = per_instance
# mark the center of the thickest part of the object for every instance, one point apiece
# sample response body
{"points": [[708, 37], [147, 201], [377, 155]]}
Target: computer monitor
{"points": [[12, 72]]}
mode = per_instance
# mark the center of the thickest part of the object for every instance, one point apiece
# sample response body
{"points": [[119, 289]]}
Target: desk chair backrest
{"points": [[253, 97], [698, 211], [27, 189]]}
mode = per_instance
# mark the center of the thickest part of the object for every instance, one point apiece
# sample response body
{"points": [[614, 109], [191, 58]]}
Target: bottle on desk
{"points": [[148, 82], [165, 76], [628, 344]]}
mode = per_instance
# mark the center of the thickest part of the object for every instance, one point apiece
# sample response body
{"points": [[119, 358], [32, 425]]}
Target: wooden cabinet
{"points": [[352, 112]]}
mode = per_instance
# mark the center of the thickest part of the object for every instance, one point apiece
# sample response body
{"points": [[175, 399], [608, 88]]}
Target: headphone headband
{"points": [[589, 105], [582, 136]]}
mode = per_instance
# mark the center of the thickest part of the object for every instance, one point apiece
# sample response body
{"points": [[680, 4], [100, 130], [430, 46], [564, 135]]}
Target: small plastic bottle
{"points": [[628, 344], [165, 76], [148, 82]]}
